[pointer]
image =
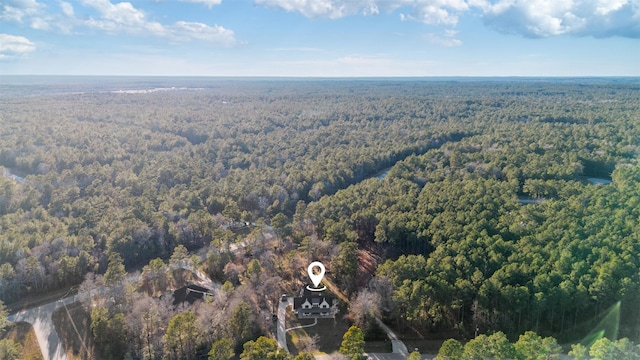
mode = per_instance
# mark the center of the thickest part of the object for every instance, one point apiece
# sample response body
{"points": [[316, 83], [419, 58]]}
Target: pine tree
{"points": [[353, 343]]}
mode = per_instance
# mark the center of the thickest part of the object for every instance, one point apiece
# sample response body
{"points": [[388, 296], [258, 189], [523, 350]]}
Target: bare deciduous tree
{"points": [[365, 307]]}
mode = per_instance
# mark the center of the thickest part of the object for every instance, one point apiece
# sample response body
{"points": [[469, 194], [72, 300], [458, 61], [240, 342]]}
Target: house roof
{"points": [[314, 298], [189, 293], [317, 300]]}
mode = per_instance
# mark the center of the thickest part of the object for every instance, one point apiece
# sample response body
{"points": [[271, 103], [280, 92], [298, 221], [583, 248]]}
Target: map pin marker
{"points": [[316, 278]]}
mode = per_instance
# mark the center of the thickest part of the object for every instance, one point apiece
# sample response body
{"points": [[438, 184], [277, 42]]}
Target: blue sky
{"points": [[329, 38]]}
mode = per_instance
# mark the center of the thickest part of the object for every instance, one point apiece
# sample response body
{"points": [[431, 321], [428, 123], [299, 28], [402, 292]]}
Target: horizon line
{"points": [[231, 77]]}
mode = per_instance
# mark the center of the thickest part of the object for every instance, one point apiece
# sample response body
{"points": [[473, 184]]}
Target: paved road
{"points": [[40, 319], [282, 315], [397, 346]]}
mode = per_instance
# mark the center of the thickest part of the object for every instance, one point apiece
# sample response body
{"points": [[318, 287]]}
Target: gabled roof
{"points": [[315, 301], [189, 293]]}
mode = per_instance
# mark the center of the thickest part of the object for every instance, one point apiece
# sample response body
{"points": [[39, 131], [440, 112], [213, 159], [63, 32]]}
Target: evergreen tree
{"points": [[263, 349], [530, 346], [181, 336], [451, 349], [3, 317], [353, 343], [115, 270], [241, 324], [222, 350]]}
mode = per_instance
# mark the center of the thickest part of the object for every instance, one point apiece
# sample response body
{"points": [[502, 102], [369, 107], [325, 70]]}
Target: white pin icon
{"points": [[316, 278]]}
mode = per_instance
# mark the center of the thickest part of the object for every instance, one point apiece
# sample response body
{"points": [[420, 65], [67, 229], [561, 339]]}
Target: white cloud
{"points": [[439, 12], [67, 8], [207, 3], [121, 17], [39, 23], [36, 15], [543, 18], [16, 10], [296, 49], [115, 15], [447, 39], [603, 7], [332, 9], [124, 17], [183, 30], [12, 46], [531, 18], [426, 11]]}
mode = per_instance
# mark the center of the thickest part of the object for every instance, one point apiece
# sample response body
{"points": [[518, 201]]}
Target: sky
{"points": [[321, 38]]}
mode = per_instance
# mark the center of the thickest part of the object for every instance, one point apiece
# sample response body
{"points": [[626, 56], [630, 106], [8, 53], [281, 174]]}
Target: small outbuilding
{"points": [[189, 293]]}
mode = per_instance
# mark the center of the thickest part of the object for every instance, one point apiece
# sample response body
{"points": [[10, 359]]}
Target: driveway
{"points": [[282, 315], [397, 346], [399, 349]]}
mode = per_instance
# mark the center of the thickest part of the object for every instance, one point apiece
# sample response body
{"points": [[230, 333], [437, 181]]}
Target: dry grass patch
{"points": [[326, 335], [23, 334]]}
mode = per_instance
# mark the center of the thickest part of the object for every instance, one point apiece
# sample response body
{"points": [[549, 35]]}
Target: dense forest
{"points": [[487, 216]]}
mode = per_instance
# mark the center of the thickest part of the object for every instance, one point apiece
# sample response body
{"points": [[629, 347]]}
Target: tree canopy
{"points": [[492, 207]]}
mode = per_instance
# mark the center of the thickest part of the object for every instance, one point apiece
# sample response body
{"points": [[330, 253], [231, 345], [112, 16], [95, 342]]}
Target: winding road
{"points": [[398, 348], [52, 348], [40, 317]]}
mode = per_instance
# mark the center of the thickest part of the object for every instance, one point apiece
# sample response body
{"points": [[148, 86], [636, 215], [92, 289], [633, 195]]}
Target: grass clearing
{"points": [[326, 336], [23, 334], [327, 333]]}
